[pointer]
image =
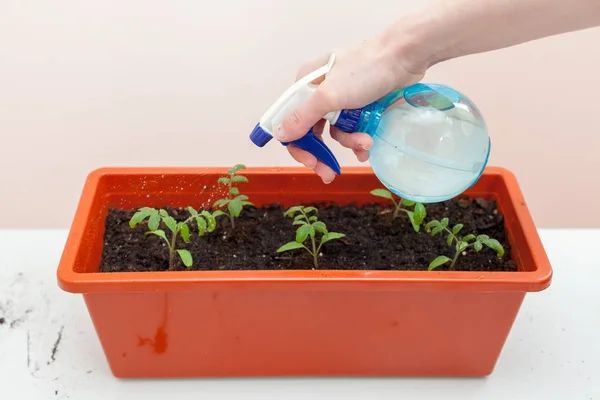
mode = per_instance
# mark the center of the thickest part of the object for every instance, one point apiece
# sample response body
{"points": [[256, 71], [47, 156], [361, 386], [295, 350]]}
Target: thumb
{"points": [[300, 120]]}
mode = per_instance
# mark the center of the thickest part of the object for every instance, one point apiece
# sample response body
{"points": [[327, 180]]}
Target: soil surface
{"points": [[374, 240]]}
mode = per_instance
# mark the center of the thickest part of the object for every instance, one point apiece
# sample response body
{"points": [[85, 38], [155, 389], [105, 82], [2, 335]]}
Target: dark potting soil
{"points": [[374, 240]]}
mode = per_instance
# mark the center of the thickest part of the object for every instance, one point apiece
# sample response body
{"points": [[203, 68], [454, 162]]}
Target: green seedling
{"points": [[205, 221], [234, 201], [416, 215], [309, 226], [461, 244]]}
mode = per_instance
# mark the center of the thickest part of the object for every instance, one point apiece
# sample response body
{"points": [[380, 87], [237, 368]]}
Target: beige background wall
{"points": [[85, 84]]}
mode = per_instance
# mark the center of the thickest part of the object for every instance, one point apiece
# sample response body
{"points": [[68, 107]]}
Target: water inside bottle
{"points": [[429, 155]]}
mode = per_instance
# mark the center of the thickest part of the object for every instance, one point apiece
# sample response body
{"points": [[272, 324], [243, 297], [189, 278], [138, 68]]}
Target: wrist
{"points": [[416, 42]]}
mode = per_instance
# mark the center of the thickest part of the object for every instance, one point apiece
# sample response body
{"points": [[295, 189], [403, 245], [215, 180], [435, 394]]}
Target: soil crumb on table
{"points": [[374, 240]]}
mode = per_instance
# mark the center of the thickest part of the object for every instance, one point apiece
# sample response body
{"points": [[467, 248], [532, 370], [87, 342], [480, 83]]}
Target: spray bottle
{"points": [[430, 142]]}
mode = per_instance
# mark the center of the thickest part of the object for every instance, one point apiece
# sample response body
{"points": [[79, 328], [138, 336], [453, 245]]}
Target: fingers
{"points": [[355, 141], [299, 121], [303, 157]]}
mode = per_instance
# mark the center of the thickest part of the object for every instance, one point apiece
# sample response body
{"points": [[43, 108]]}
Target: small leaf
{"points": [[158, 232], [420, 213], [457, 228], [223, 180], [247, 203], [495, 245], [382, 193], [481, 238], [192, 211], [290, 246], [299, 222], [299, 217], [236, 168], [431, 224], [163, 213], [171, 223], [185, 232], [438, 229], [235, 207], [239, 179], [469, 238], [201, 225], [331, 236], [320, 227], [210, 219], [220, 202], [449, 239], [303, 232], [186, 257], [408, 203], [308, 210], [478, 246], [234, 191], [140, 215], [441, 260], [218, 213], [241, 197], [292, 210], [312, 218], [154, 221], [444, 222], [461, 246], [411, 217]]}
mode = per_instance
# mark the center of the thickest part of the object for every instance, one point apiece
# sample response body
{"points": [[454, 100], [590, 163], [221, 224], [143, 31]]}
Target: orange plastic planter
{"points": [[278, 323]]}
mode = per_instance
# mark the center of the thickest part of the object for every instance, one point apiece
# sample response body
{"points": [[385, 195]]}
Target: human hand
{"points": [[359, 76]]}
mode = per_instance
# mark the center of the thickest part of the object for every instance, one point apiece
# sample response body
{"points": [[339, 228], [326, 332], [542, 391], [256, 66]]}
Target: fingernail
{"points": [[365, 146], [279, 133], [327, 181]]}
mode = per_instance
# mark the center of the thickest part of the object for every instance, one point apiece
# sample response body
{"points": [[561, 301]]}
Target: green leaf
{"points": [[299, 222], [236, 168], [449, 239], [440, 260], [154, 221], [239, 179], [320, 227], [292, 210], [160, 233], [140, 215], [494, 245], [303, 232], [308, 210], [444, 222], [481, 238], [457, 228], [299, 217], [241, 197], [171, 223], [411, 217], [163, 213], [420, 213], [235, 207], [312, 218], [331, 236], [290, 246], [223, 180], [431, 224], [201, 225], [478, 246], [218, 213], [469, 238], [408, 203], [234, 191], [220, 203], [185, 232], [186, 257], [192, 211], [210, 219], [461, 246], [247, 203], [382, 193]]}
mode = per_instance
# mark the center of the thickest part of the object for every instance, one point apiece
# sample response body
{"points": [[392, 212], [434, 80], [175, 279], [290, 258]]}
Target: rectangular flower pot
{"points": [[311, 322]]}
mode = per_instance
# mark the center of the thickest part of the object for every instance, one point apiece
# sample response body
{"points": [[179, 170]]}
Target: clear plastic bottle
{"points": [[430, 141]]}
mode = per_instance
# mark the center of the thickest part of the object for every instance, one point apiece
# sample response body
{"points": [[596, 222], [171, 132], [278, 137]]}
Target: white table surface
{"points": [[553, 351]]}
